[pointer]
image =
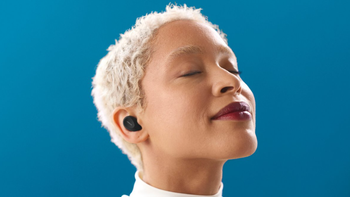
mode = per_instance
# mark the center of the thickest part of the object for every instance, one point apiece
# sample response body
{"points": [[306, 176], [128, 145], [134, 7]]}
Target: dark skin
{"points": [[183, 149]]}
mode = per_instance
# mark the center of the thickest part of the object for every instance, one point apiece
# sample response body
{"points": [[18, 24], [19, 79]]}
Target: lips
{"points": [[233, 107]]}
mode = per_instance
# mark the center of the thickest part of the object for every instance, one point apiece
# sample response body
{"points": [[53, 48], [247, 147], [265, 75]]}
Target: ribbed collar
{"points": [[142, 189]]}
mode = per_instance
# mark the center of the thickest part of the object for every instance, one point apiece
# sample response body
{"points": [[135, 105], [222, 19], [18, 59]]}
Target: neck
{"points": [[189, 176]]}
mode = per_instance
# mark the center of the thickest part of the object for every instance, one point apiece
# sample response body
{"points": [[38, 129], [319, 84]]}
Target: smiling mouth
{"points": [[234, 111]]}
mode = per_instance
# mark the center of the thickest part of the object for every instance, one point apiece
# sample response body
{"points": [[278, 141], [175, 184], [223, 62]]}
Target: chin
{"points": [[247, 149], [241, 149]]}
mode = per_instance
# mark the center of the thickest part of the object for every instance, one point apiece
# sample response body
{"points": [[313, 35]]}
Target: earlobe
{"points": [[128, 125]]}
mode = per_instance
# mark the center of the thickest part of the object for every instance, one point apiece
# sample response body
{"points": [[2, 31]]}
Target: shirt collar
{"points": [[143, 189]]}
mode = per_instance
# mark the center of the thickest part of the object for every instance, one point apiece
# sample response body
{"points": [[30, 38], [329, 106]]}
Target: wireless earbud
{"points": [[130, 123]]}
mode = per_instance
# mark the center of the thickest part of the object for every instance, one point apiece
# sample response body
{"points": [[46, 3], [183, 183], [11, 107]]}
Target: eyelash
{"points": [[231, 71]]}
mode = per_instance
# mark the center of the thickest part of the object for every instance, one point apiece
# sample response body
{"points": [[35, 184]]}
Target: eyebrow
{"points": [[194, 49]]}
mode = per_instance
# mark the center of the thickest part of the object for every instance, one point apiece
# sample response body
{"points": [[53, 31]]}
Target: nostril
{"points": [[226, 89]]}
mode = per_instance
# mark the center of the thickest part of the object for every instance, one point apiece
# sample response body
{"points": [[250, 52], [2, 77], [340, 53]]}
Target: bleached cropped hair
{"points": [[118, 75]]}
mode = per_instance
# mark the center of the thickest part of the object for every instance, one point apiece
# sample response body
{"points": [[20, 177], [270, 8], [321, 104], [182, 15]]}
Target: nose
{"points": [[226, 83]]}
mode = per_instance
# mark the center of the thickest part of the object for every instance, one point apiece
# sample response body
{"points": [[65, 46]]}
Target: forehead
{"points": [[187, 37], [194, 49]]}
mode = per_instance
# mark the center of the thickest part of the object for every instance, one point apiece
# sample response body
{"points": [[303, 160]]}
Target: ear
{"points": [[119, 114]]}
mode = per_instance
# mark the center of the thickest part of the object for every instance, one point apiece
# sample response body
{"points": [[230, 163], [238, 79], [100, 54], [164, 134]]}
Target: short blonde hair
{"points": [[118, 75]]}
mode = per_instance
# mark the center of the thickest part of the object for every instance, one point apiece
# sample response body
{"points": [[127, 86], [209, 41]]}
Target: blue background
{"points": [[294, 55]]}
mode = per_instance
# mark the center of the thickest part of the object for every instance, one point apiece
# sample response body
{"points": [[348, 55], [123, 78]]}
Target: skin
{"points": [[183, 149]]}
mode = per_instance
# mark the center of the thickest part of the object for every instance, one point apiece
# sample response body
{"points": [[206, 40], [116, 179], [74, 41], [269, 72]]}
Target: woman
{"points": [[170, 94]]}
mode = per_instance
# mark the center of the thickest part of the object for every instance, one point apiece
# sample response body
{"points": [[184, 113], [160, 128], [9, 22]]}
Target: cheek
{"points": [[178, 101], [173, 118]]}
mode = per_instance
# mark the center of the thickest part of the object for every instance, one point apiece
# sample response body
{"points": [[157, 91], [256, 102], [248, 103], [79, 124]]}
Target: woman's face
{"points": [[179, 108]]}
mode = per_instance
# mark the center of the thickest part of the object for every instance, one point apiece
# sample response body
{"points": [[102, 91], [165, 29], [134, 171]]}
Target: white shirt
{"points": [[142, 189]]}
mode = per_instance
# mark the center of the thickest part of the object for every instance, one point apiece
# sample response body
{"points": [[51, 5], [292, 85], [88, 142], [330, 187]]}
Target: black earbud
{"points": [[130, 123]]}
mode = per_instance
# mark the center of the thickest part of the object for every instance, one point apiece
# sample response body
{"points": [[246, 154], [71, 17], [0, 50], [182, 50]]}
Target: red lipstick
{"points": [[234, 111]]}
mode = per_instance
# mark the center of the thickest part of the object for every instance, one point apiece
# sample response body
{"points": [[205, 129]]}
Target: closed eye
{"points": [[189, 74], [193, 73], [235, 72]]}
